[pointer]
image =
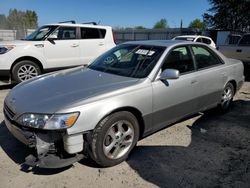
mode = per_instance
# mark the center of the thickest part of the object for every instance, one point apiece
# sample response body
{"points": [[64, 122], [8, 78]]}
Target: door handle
{"points": [[74, 45], [239, 50], [194, 81], [101, 44]]}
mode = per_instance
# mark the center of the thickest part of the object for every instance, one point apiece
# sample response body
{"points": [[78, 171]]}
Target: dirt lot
{"points": [[209, 150]]}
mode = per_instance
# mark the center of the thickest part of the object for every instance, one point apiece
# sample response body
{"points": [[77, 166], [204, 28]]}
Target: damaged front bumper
{"points": [[53, 149]]}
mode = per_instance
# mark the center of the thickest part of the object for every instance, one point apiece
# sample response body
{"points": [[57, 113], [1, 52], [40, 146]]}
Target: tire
{"points": [[25, 70], [227, 97], [114, 138]]}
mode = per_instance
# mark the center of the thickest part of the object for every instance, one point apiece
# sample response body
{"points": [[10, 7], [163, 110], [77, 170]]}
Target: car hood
{"points": [[54, 92], [18, 42]]}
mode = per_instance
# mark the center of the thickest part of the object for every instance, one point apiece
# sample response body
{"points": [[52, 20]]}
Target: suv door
{"points": [[211, 76], [92, 43], [61, 48], [174, 99]]}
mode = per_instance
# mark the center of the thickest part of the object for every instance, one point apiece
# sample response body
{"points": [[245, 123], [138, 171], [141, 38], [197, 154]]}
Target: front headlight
{"points": [[50, 122], [4, 49]]}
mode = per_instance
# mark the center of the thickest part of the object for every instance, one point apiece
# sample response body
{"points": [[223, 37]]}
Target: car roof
{"points": [[163, 43], [192, 36], [78, 25]]}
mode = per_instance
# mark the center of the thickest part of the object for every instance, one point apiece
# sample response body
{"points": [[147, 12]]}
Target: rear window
{"points": [[185, 38], [92, 33], [245, 41], [204, 57], [206, 41]]}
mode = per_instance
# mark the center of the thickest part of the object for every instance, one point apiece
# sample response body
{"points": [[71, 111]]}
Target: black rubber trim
{"points": [[4, 73]]}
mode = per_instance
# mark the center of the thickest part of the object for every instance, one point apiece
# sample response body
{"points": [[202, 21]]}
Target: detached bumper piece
{"points": [[52, 161], [50, 151]]}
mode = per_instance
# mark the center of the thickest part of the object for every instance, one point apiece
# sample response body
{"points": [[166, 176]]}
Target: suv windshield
{"points": [[129, 60], [41, 33]]}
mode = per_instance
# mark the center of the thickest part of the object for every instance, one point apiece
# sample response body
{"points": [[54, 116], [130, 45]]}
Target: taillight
{"points": [[113, 34]]}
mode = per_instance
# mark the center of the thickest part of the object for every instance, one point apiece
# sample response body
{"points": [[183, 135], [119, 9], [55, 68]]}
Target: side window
{"points": [[92, 33], [205, 58], [199, 40], [206, 41], [179, 58], [64, 33], [245, 41]]}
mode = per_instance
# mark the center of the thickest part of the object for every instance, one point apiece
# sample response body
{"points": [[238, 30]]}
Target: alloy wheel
{"points": [[118, 139]]}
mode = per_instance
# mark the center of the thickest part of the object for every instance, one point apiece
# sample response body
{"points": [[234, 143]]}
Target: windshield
{"points": [[185, 38], [128, 60], [41, 33]]}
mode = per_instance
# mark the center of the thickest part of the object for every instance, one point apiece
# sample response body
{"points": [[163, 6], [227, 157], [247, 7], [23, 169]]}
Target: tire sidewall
{"points": [[223, 108], [21, 63], [100, 133]]}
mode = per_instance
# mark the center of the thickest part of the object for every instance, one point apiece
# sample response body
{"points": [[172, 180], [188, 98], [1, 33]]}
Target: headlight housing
{"points": [[4, 49], [49, 122]]}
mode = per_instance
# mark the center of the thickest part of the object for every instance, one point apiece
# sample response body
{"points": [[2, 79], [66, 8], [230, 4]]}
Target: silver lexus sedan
{"points": [[127, 93]]}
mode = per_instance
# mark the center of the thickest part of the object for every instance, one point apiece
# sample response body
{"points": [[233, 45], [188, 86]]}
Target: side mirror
{"points": [[51, 40], [169, 74]]}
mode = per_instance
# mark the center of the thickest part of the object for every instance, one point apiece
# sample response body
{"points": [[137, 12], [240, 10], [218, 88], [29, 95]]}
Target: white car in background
{"points": [[196, 38], [52, 47]]}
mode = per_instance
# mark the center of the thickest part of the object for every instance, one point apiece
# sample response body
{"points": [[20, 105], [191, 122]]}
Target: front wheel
{"points": [[227, 97], [114, 138], [25, 70]]}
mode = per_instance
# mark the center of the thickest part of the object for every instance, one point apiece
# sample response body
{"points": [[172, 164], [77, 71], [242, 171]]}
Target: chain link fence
{"points": [[152, 34], [6, 35]]}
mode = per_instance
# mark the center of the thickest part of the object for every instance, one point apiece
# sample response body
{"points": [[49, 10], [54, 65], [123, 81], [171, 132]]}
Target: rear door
{"points": [[210, 74], [92, 43], [174, 99], [242, 52], [61, 49]]}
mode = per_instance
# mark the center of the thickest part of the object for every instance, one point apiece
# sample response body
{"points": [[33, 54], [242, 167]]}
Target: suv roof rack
{"points": [[93, 23], [70, 21]]}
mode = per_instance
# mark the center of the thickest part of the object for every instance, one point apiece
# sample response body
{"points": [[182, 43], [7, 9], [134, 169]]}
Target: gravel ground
{"points": [[209, 150]]}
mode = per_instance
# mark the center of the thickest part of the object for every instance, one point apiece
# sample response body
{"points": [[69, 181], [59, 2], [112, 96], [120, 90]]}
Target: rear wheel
{"points": [[25, 70], [227, 97], [114, 138]]}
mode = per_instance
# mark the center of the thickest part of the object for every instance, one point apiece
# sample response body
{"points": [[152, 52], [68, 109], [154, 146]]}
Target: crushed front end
{"points": [[52, 148]]}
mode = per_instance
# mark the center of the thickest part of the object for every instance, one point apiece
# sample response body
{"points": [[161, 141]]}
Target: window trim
{"points": [[210, 51], [101, 37], [64, 27], [181, 74]]}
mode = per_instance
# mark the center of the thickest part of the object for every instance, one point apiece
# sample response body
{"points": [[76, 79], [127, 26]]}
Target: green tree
{"points": [[22, 20], [197, 24], [31, 19], [229, 14], [161, 24], [139, 27], [3, 22]]}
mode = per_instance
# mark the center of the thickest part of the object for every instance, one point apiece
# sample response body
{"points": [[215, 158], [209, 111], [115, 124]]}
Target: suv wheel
{"points": [[25, 70], [114, 138]]}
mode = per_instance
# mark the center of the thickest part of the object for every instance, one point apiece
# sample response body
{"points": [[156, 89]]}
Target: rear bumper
{"points": [[53, 148]]}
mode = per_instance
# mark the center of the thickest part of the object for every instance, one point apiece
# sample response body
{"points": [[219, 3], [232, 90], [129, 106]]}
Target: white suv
{"points": [[53, 47]]}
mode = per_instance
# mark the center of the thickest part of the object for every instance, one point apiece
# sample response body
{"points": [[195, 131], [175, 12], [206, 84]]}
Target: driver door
{"points": [[177, 98], [61, 49]]}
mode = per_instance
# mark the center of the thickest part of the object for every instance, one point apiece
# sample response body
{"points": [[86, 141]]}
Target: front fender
{"points": [[93, 113]]}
